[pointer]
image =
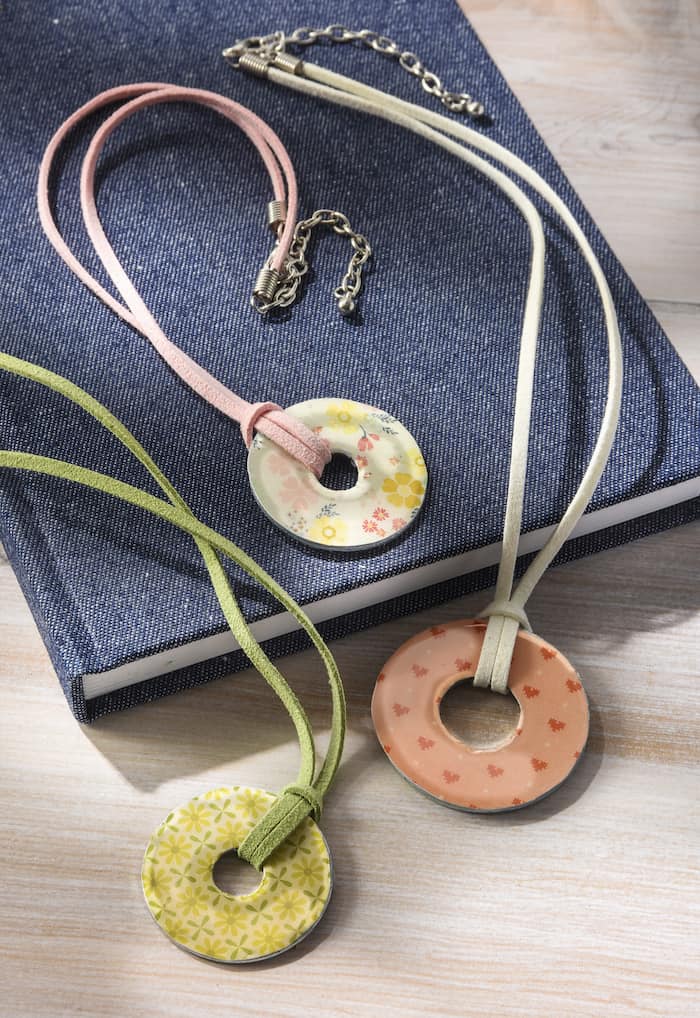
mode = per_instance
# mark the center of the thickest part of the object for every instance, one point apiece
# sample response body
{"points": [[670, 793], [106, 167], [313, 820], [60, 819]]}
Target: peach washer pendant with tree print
{"points": [[386, 498], [534, 761]]}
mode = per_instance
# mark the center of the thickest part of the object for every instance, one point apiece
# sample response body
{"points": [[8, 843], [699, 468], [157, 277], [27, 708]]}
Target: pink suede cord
{"points": [[288, 432]]}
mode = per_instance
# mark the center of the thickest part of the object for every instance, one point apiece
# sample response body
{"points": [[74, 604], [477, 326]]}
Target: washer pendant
{"points": [[178, 883], [547, 743], [388, 494]]}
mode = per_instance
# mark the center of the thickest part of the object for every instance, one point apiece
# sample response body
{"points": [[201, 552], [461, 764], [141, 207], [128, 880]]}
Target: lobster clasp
{"points": [[263, 46]]}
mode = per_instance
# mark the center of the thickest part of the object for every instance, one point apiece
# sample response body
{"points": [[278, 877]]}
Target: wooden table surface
{"points": [[582, 905]]}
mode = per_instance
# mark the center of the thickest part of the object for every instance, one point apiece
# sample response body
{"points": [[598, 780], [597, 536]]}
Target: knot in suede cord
{"points": [[251, 417], [288, 432], [296, 801], [294, 804], [309, 794], [506, 611]]}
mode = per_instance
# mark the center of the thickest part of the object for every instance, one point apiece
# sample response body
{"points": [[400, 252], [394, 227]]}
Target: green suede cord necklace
{"points": [[297, 800]]}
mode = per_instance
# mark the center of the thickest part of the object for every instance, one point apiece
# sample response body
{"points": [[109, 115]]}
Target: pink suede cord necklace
{"points": [[287, 457], [287, 431]]}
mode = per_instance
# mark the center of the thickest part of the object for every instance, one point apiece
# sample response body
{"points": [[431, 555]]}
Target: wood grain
{"points": [[579, 906], [614, 87]]}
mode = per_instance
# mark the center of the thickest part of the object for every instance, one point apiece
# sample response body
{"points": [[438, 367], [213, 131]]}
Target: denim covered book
{"points": [[122, 600]]}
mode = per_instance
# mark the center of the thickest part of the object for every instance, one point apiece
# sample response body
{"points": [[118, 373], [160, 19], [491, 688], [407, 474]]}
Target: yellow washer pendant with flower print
{"points": [[178, 882], [386, 498]]}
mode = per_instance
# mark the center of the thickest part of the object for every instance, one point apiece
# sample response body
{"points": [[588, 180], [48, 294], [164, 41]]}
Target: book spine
{"points": [[418, 600], [71, 683]]}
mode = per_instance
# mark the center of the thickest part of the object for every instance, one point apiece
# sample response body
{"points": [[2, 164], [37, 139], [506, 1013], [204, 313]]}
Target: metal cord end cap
{"points": [[266, 284], [288, 62], [255, 64], [276, 215]]}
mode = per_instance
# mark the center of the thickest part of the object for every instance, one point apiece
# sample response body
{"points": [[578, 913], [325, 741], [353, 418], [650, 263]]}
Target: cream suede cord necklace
{"points": [[405, 710]]}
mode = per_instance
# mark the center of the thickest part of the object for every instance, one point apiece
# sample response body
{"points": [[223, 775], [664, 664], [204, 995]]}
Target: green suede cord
{"points": [[296, 801]]}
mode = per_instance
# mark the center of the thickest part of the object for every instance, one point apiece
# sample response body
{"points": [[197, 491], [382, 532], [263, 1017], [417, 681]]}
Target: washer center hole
{"points": [[340, 474], [234, 876], [479, 717]]}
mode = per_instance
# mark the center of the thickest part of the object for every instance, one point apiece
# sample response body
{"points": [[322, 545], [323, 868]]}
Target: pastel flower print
{"points": [[290, 905], [176, 928], [270, 939], [367, 442], [380, 513], [397, 523], [156, 882], [192, 901], [294, 493], [297, 522], [222, 811], [212, 947], [370, 526], [308, 871], [342, 416], [200, 870], [328, 530], [361, 461], [230, 920], [238, 948], [175, 849], [403, 490], [277, 464], [415, 458], [233, 831], [252, 801], [212, 794], [200, 926], [195, 817]]}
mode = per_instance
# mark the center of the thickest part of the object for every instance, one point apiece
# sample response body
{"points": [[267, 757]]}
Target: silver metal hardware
{"points": [[271, 49], [287, 62], [274, 291], [254, 63], [276, 215], [266, 285]]}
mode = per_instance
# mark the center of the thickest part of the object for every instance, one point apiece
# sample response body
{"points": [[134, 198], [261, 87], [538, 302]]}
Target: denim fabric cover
{"points": [[183, 198]]}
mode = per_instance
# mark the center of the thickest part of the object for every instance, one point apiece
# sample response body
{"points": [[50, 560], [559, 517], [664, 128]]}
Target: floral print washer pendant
{"points": [[388, 494], [178, 882]]}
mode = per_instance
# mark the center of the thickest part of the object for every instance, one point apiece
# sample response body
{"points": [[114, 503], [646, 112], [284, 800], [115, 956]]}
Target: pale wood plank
{"points": [[614, 88], [681, 322], [599, 878]]}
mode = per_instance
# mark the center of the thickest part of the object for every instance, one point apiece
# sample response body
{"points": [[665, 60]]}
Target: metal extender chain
{"points": [[271, 291], [255, 55], [267, 47]]}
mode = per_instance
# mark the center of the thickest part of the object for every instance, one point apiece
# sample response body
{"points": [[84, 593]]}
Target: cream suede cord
{"points": [[506, 611]]}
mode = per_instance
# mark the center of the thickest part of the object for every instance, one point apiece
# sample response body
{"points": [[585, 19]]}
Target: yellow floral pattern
{"points": [[328, 530], [416, 464], [343, 416], [387, 496], [178, 883], [403, 490]]}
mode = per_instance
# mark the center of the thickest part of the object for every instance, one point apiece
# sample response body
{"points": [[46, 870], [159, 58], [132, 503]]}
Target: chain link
{"points": [[269, 46], [297, 264]]}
